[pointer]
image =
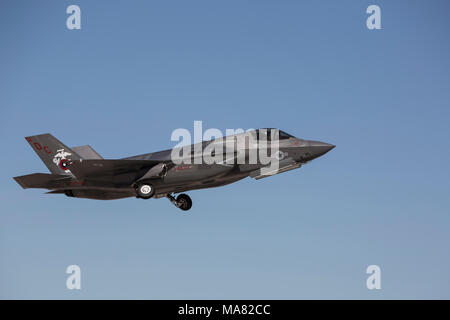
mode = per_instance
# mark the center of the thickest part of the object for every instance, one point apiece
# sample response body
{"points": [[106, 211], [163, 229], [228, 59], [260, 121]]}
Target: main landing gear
{"points": [[183, 201], [145, 191]]}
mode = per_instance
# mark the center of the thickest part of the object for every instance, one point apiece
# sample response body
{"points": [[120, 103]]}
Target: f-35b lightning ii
{"points": [[82, 173]]}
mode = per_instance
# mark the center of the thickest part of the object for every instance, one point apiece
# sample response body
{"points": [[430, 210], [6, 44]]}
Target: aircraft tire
{"points": [[145, 191], [184, 202]]}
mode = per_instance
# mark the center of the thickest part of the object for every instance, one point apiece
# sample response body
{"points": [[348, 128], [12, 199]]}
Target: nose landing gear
{"points": [[183, 201]]}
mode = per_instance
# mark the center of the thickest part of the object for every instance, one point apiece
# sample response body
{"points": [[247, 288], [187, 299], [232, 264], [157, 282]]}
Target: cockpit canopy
{"points": [[270, 133]]}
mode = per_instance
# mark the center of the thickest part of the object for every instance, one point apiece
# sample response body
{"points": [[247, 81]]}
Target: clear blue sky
{"points": [[139, 69]]}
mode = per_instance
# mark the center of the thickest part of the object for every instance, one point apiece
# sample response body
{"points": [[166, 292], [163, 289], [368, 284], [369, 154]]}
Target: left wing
{"points": [[99, 167]]}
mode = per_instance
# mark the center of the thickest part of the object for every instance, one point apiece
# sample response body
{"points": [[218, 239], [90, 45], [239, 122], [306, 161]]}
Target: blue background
{"points": [[138, 70]]}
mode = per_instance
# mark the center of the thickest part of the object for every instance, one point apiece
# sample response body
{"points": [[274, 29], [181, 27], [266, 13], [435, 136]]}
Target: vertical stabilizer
{"points": [[55, 155]]}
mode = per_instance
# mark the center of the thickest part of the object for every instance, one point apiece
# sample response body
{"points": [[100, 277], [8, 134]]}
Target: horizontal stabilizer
{"points": [[87, 152], [39, 180]]}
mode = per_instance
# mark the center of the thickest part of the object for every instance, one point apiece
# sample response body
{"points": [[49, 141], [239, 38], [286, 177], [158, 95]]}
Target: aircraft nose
{"points": [[319, 148]]}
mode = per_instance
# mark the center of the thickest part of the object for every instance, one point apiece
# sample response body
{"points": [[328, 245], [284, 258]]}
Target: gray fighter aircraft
{"points": [[82, 173]]}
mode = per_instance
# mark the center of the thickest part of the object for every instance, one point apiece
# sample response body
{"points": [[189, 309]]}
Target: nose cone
{"points": [[318, 148]]}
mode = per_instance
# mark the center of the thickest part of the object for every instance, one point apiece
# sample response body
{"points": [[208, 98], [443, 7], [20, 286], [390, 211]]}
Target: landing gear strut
{"points": [[183, 201]]}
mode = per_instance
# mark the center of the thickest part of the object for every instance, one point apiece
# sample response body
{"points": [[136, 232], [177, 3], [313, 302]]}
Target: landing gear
{"points": [[145, 191], [183, 201]]}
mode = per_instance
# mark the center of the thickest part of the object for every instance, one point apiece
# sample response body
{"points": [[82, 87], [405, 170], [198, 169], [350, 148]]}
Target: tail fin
{"points": [[86, 152], [53, 153]]}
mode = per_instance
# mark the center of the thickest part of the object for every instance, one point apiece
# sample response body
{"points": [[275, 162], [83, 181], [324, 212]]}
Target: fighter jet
{"points": [[81, 172]]}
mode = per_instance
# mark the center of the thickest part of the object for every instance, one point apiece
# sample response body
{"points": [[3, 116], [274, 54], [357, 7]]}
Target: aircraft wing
{"points": [[100, 167]]}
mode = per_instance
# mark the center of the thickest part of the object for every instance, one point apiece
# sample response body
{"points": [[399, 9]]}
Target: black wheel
{"points": [[145, 191], [184, 202]]}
